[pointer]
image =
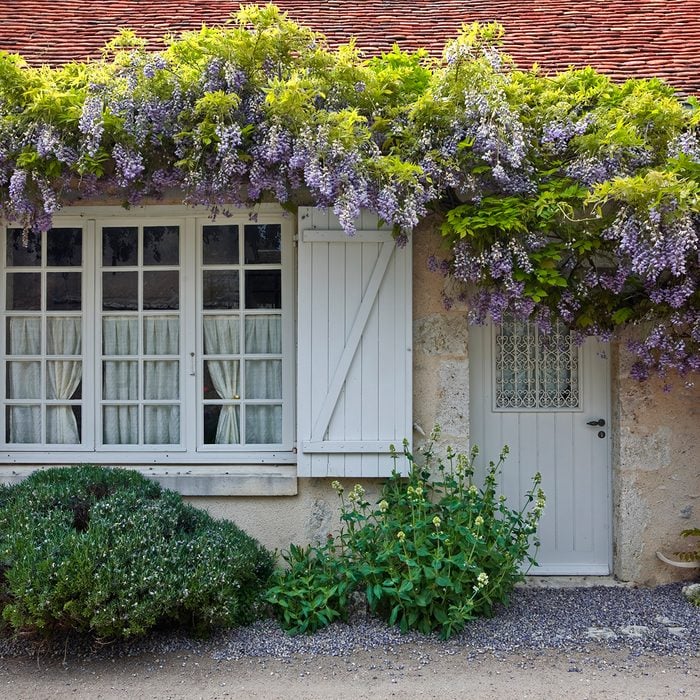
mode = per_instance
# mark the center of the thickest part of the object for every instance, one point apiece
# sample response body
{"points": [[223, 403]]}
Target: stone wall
{"points": [[656, 472], [655, 460], [440, 353]]}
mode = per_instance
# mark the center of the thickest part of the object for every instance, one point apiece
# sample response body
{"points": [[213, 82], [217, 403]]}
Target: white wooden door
{"points": [[354, 358], [540, 399]]}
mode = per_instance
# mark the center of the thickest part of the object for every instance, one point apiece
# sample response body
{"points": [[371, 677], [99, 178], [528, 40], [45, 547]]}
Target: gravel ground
{"points": [[656, 621]]}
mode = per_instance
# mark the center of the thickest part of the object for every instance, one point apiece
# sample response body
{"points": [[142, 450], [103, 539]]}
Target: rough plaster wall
{"points": [[278, 521], [656, 473], [440, 364]]}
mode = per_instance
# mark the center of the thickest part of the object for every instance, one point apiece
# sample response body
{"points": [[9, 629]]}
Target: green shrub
{"points": [[110, 553], [436, 551]]}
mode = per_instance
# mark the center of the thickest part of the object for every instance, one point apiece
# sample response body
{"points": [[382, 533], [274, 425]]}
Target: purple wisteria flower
{"points": [[128, 165], [91, 124]]}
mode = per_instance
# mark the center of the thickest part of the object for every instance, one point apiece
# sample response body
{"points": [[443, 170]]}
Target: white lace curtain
{"points": [[120, 336], [221, 337], [263, 335], [63, 379]]}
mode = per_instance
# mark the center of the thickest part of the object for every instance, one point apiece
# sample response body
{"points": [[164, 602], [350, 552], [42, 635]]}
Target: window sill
{"points": [[237, 480]]}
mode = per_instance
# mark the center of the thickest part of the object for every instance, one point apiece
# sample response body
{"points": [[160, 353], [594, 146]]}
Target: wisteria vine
{"points": [[562, 196]]}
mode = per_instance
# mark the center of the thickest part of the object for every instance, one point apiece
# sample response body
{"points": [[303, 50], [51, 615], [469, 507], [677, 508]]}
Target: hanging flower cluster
{"points": [[565, 196]]}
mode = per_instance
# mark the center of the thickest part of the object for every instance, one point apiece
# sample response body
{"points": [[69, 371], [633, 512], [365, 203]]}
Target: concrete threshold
{"points": [[574, 582]]}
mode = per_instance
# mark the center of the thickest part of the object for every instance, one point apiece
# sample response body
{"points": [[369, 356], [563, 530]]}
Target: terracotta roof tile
{"points": [[624, 38]]}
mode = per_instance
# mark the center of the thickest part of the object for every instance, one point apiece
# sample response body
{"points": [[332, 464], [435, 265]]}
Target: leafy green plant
{"points": [[693, 554], [109, 553], [435, 552], [313, 591]]}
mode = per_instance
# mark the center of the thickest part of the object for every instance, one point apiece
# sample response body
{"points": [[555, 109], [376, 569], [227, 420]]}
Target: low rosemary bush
{"points": [[435, 552], [109, 553]]}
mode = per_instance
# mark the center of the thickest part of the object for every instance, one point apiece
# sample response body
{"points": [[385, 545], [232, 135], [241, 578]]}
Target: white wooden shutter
{"points": [[354, 347]]}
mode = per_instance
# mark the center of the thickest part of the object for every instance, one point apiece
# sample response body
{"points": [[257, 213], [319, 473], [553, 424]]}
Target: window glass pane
{"points": [[120, 245], [63, 379], [64, 247], [220, 289], [63, 335], [263, 243], [263, 424], [263, 379], [161, 425], [221, 335], [23, 291], [120, 335], [120, 380], [23, 380], [161, 290], [120, 291], [161, 379], [24, 335], [23, 424], [161, 335], [221, 425], [220, 245], [263, 334], [23, 249], [263, 289], [120, 425], [221, 379], [63, 425], [161, 245], [63, 291]]}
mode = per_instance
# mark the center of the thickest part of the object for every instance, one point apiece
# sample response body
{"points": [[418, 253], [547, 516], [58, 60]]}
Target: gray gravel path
{"points": [[656, 621]]}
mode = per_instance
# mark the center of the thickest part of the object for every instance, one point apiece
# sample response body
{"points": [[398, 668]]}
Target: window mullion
{"points": [[190, 335], [90, 333]]}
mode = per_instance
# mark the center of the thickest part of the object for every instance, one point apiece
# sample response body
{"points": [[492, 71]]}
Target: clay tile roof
{"points": [[624, 38]]}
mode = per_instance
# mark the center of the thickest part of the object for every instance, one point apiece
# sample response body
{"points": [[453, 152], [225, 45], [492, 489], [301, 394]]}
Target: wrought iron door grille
{"points": [[534, 370]]}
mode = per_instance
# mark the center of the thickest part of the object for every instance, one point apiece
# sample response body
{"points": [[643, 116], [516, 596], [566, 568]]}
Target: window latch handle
{"points": [[193, 367]]}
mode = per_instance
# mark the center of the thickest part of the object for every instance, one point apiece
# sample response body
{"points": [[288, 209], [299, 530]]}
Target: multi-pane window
{"points": [[130, 335], [242, 333], [140, 276], [43, 336]]}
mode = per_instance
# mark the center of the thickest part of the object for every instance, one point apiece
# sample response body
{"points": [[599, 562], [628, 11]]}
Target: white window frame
{"points": [[187, 454]]}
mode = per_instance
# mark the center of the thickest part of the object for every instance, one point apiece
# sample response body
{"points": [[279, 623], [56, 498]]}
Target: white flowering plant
{"points": [[439, 550], [436, 551], [108, 553]]}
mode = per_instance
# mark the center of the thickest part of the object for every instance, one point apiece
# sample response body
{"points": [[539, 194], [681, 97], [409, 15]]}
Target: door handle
{"points": [[597, 423]]}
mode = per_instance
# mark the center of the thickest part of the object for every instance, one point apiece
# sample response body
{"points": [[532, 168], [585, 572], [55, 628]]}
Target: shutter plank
{"points": [[370, 368], [353, 404]]}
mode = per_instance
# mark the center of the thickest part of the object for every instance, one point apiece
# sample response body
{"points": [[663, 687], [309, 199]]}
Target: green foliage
{"points": [[567, 195], [313, 591], [693, 554], [109, 553], [435, 552]]}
